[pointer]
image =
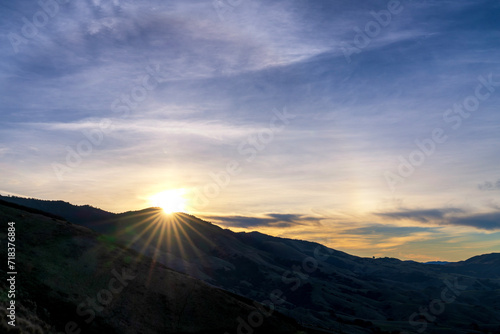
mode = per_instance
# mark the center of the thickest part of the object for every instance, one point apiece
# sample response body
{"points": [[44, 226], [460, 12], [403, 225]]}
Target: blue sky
{"points": [[296, 118]]}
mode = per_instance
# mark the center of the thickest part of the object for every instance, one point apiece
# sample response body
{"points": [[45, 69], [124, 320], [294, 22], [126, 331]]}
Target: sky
{"points": [[368, 126]]}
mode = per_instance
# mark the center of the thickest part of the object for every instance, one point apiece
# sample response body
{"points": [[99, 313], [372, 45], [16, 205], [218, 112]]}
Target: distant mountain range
{"points": [[322, 289], [437, 262]]}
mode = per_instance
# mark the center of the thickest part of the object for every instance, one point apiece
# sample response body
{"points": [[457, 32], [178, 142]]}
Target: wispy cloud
{"points": [[204, 128], [489, 221], [218, 82], [489, 186], [275, 220], [424, 216], [486, 221]]}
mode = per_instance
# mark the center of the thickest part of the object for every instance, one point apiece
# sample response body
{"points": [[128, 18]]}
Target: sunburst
{"points": [[160, 236], [170, 201]]}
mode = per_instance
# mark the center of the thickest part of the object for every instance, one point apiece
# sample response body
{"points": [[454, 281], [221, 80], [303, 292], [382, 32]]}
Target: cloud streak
{"points": [[449, 216], [219, 82], [275, 220], [489, 186], [423, 216]]}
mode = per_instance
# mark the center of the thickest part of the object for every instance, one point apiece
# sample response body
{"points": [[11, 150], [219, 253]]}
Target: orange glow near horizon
{"points": [[170, 201]]}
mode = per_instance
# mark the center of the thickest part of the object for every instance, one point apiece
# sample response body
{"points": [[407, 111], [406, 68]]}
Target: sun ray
{"points": [[160, 236], [198, 232], [149, 221], [119, 233], [184, 224], [178, 242]]}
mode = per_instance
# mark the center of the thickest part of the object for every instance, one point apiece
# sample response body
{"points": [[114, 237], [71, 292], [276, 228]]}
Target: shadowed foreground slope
{"points": [[323, 287], [70, 277], [335, 291]]}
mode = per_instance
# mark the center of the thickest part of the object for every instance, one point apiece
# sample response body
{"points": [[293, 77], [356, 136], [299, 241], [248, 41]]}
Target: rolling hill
{"points": [[319, 287], [71, 279]]}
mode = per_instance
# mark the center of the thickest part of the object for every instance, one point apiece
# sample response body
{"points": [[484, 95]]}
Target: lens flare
{"points": [[170, 201]]}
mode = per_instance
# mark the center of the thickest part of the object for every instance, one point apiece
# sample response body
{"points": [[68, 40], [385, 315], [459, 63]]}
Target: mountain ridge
{"points": [[72, 280], [323, 287], [53, 207]]}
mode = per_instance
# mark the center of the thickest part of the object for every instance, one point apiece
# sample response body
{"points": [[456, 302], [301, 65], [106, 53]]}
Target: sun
{"points": [[170, 201]]}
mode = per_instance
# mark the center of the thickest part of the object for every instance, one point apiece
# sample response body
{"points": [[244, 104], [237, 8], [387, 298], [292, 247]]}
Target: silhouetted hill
{"points": [[345, 292], [72, 277], [84, 214], [321, 287], [31, 210], [485, 266]]}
